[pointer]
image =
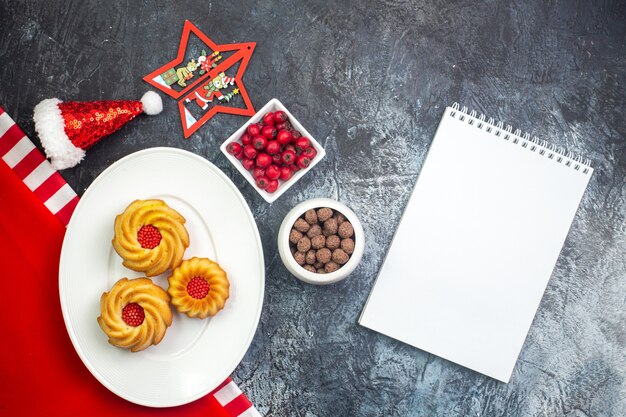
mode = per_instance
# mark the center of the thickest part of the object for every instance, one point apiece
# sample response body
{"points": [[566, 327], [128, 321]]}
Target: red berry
{"points": [[263, 160], [282, 125], [285, 173], [148, 237], [269, 132], [259, 142], [250, 152], [310, 152], [198, 288], [272, 172], [277, 159], [289, 157], [283, 137], [295, 134], [303, 161], [254, 129], [234, 148], [262, 182], [246, 139], [290, 148], [294, 168], [258, 172], [302, 143], [248, 163], [133, 314], [273, 147], [272, 186], [280, 116], [268, 119], [240, 155]]}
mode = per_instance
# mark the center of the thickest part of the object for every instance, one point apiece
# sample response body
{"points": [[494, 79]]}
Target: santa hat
{"points": [[66, 129]]}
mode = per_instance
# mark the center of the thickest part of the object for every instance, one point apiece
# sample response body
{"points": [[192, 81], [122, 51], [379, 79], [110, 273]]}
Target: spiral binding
{"points": [[541, 147]]}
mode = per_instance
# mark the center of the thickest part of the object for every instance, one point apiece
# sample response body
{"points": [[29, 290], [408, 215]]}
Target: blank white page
{"points": [[476, 245]]}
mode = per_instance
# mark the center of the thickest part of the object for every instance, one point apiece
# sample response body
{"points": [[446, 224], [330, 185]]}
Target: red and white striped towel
{"points": [[29, 164], [235, 402], [21, 155]]}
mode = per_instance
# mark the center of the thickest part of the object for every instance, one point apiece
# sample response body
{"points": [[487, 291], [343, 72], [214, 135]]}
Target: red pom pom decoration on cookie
{"points": [[133, 314], [149, 237]]}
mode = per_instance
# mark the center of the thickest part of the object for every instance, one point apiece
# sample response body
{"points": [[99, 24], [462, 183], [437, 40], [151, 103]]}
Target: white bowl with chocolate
{"points": [[321, 241]]}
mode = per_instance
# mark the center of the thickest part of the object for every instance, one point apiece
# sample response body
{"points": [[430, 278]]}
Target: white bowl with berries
{"points": [[272, 150]]}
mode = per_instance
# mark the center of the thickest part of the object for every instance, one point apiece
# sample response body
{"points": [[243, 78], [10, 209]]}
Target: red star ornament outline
{"points": [[241, 52]]}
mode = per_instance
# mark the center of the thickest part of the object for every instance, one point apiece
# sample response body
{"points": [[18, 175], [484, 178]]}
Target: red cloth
{"points": [[41, 373]]}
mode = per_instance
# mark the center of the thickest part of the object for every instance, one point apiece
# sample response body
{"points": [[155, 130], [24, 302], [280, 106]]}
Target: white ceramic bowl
{"points": [[312, 277], [273, 105]]}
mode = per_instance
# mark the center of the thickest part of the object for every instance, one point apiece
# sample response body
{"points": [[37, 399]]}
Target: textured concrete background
{"points": [[370, 81]]}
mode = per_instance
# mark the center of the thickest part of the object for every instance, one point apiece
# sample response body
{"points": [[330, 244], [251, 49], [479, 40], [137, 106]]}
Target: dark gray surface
{"points": [[370, 81]]}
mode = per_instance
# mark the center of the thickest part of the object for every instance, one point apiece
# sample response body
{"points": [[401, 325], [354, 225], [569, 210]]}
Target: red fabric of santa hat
{"points": [[67, 129]]}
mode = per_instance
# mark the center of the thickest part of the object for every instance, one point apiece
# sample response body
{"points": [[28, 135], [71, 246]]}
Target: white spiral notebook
{"points": [[477, 243]]}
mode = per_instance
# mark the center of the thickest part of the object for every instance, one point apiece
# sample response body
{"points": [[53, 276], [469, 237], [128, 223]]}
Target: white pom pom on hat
{"points": [[152, 103]]}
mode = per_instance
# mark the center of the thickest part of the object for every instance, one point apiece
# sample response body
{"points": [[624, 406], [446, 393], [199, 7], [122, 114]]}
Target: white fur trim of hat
{"points": [[50, 126]]}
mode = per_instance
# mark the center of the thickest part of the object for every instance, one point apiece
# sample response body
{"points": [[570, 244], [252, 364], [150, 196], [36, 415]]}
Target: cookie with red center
{"points": [[135, 313], [199, 288], [149, 237]]}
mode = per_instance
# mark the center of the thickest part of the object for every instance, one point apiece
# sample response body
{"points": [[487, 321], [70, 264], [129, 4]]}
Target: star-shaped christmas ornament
{"points": [[204, 83]]}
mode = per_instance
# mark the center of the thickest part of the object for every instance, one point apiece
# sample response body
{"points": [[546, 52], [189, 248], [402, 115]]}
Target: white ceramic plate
{"points": [[196, 355]]}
